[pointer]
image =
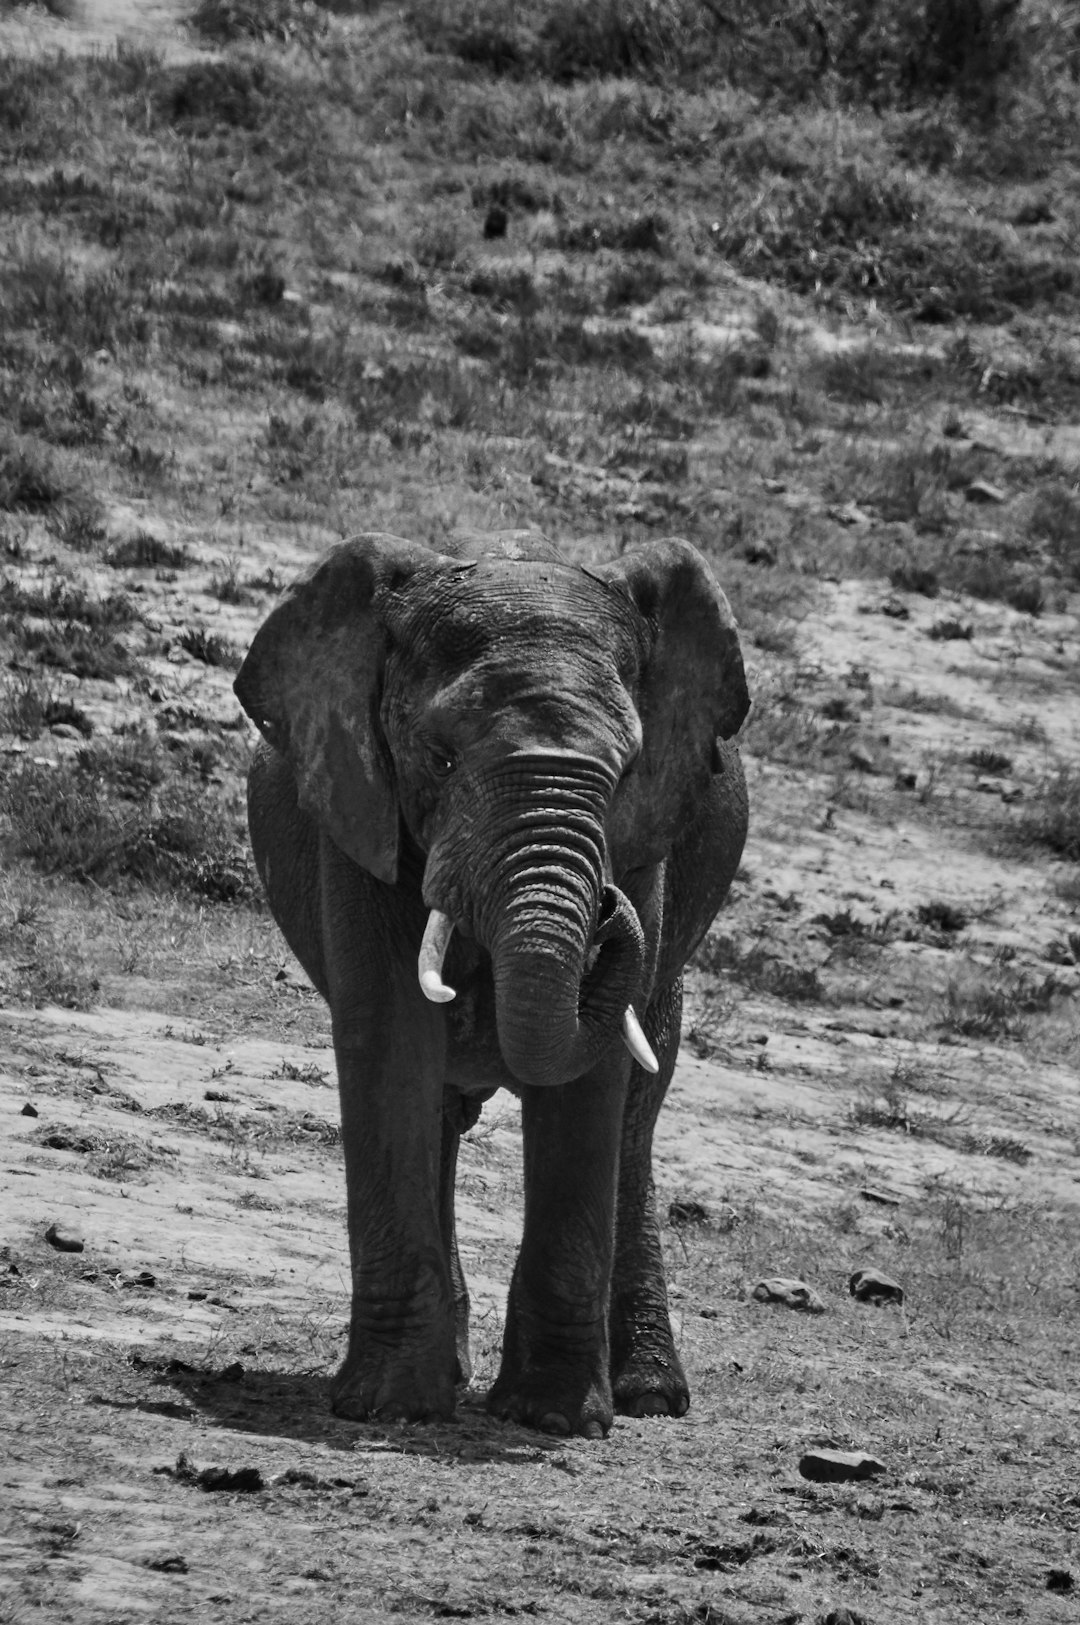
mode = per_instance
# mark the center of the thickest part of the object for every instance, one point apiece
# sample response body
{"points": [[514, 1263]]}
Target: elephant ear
{"points": [[311, 684], [692, 693]]}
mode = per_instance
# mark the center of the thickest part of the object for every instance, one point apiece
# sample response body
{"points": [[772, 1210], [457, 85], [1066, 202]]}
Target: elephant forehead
{"points": [[559, 692], [524, 612]]}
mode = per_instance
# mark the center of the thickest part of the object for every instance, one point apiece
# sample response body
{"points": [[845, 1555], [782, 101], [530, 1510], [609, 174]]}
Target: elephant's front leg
{"points": [[401, 1361], [555, 1364], [390, 1048]]}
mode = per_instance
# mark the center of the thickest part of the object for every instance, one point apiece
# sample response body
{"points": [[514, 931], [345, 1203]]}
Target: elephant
{"points": [[496, 805]]}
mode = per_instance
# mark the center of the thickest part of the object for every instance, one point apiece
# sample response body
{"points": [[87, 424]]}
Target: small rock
{"points": [[1034, 212], [1060, 1580], [982, 491], [767, 1518], [495, 222], [871, 1286], [849, 513], [995, 785], [144, 1278], [63, 1239], [28, 1110], [304, 1478], [896, 610], [793, 1294], [839, 1466], [843, 1616], [757, 553], [861, 760], [245, 1480]]}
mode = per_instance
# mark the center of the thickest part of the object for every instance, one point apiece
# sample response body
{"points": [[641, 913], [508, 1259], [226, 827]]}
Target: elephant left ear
{"points": [[692, 692], [311, 683]]}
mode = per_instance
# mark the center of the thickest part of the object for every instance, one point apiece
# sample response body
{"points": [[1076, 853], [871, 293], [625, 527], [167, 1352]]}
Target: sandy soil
{"points": [[102, 25]]}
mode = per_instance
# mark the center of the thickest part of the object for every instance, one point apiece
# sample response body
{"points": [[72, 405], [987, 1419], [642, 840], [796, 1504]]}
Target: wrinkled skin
{"points": [[539, 752]]}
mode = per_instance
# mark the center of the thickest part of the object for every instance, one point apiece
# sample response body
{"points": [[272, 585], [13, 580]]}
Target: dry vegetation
{"points": [[797, 282]]}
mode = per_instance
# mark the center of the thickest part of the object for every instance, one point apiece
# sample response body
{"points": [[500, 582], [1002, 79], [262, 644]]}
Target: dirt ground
{"points": [[166, 1446]]}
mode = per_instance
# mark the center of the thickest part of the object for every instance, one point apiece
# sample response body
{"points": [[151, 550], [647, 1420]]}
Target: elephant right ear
{"points": [[311, 684]]}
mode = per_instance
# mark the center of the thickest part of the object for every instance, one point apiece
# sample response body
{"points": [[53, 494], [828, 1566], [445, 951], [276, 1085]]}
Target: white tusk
{"points": [[437, 934], [636, 1042]]}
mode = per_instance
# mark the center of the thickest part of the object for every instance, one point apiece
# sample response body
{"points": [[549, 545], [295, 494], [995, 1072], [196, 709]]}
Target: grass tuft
{"points": [[290, 22], [146, 552], [996, 1009], [27, 708], [1054, 816], [208, 647], [111, 817], [31, 480]]}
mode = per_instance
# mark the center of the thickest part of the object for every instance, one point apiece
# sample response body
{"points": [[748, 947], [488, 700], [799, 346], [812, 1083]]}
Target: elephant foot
{"points": [[647, 1378], [554, 1373], [365, 1390], [651, 1385], [561, 1407]]}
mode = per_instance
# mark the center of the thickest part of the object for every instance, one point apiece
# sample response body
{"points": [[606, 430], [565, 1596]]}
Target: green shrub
{"points": [[1055, 519], [857, 48], [31, 480], [27, 708], [992, 576], [759, 968], [238, 94], [997, 1008], [63, 626], [70, 305], [94, 819], [1053, 819], [287, 21], [70, 646], [66, 600]]}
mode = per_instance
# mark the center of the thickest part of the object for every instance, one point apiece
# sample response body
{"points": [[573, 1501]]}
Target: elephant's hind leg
{"points": [[460, 1113], [647, 1377]]}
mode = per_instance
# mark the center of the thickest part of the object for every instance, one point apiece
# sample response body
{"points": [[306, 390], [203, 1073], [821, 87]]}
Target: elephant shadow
{"points": [[296, 1405]]}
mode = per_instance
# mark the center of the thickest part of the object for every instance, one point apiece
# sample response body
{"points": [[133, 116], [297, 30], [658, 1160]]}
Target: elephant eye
{"points": [[441, 760]]}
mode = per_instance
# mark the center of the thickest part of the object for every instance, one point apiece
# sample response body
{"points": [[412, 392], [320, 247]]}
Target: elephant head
{"points": [[525, 729]]}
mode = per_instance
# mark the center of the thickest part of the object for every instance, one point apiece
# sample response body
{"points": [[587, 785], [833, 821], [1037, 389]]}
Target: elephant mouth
{"points": [[613, 924]]}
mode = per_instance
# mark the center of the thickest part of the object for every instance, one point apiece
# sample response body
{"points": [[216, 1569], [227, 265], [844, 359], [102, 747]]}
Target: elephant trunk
{"points": [[557, 1012], [567, 950]]}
